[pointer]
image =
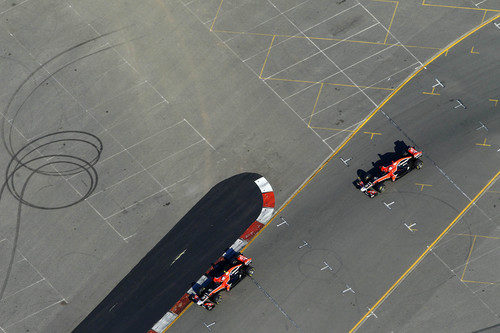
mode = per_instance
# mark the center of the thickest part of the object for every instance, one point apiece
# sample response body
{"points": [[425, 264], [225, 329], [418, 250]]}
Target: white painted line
{"points": [[319, 52], [294, 36], [388, 205], [199, 134], [34, 313]]}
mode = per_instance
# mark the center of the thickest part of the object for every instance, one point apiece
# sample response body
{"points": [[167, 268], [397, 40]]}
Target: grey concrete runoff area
{"points": [[117, 117]]}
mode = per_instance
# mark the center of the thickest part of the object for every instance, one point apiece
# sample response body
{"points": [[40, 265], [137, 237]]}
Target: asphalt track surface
{"points": [[184, 94], [182, 256], [384, 272]]}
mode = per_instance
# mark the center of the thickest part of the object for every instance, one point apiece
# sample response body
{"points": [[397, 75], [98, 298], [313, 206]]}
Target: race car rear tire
{"points": [[217, 298], [379, 187], [418, 164], [250, 271]]}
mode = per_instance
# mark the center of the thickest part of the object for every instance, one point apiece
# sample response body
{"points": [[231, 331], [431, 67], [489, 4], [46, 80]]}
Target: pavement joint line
{"points": [[270, 88], [326, 56], [390, 33], [296, 35], [462, 283], [34, 313], [268, 20], [124, 149], [199, 134], [144, 169], [12, 7], [118, 53], [134, 204], [275, 303], [123, 92], [319, 52], [127, 118], [24, 288]]}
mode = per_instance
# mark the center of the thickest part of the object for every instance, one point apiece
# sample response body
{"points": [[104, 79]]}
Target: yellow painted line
{"points": [[333, 129], [328, 83], [483, 144], [392, 19], [468, 258], [323, 38], [458, 7], [494, 100], [478, 235], [216, 14], [483, 282], [484, 16], [494, 191], [180, 314], [315, 104], [472, 51], [431, 93], [422, 186], [265, 61]]}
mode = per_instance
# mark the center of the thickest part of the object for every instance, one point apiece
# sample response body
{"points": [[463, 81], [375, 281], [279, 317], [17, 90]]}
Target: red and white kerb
{"points": [[240, 243]]}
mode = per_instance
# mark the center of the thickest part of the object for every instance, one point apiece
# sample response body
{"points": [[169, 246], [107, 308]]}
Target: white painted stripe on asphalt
{"points": [[265, 215], [238, 245], [264, 185], [164, 321]]}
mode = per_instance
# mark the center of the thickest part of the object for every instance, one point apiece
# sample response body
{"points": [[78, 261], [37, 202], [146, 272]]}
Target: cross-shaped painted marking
{"points": [[422, 185], [372, 134], [483, 144]]}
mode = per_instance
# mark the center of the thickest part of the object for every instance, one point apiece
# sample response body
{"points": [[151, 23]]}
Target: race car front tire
{"points": [[379, 187], [418, 164], [250, 271], [216, 298]]}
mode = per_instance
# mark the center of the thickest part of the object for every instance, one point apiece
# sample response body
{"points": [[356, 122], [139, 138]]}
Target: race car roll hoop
{"points": [[404, 160]]}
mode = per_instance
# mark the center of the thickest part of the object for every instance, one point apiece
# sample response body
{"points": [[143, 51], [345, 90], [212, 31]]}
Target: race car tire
{"points": [[379, 187], [366, 177], [418, 164], [250, 271], [217, 298]]}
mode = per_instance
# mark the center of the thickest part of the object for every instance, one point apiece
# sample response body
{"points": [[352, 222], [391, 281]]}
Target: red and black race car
{"points": [[371, 185], [224, 276]]}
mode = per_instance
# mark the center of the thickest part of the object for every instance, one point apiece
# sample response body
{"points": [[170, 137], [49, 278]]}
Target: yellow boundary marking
{"points": [[392, 19], [458, 7], [468, 259], [217, 14], [327, 83], [483, 144], [472, 51], [432, 92], [265, 60], [315, 104], [494, 100], [343, 145]]}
